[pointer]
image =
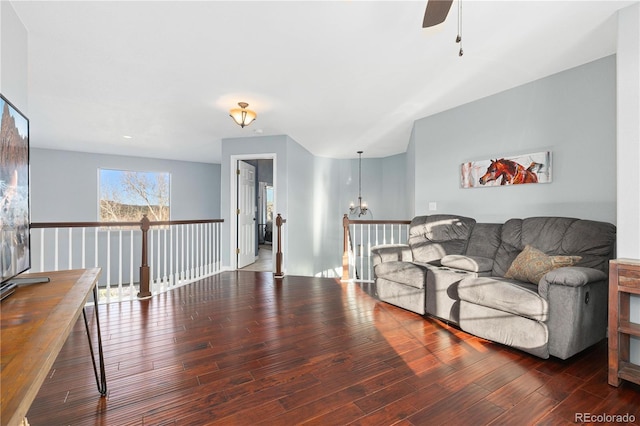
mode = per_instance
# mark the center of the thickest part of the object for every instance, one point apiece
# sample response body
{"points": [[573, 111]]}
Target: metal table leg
{"points": [[101, 381]]}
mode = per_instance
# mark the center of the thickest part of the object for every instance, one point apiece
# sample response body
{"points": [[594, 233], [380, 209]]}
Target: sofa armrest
{"points": [[391, 253], [468, 263], [569, 276], [577, 298]]}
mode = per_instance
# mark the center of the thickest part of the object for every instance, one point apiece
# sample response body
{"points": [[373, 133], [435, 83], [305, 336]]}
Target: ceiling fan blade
{"points": [[436, 13]]}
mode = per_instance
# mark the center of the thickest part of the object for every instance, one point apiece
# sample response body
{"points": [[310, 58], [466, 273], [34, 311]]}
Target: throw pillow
{"points": [[531, 264]]}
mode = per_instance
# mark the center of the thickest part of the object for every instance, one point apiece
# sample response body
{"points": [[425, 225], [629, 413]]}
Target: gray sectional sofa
{"points": [[538, 284]]}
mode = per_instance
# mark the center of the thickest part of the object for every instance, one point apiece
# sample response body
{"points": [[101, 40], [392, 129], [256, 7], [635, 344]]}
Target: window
{"points": [[127, 195]]}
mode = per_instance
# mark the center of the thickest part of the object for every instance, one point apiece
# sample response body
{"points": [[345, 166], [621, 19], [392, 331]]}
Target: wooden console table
{"points": [[624, 280], [35, 322]]}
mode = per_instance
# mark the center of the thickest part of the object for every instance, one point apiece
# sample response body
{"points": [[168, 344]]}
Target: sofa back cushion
{"points": [[591, 240], [484, 240], [435, 236]]}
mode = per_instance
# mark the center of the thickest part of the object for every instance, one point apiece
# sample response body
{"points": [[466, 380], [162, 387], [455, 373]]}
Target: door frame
{"points": [[233, 202]]}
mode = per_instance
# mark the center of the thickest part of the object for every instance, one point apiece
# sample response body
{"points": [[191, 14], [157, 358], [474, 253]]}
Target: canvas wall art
{"points": [[515, 170]]}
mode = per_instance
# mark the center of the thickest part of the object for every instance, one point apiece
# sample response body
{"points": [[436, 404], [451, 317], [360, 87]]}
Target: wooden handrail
{"points": [[376, 222], [38, 225], [279, 222]]}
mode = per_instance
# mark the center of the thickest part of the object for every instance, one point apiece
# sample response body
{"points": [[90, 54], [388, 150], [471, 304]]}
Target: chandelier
{"points": [[361, 209], [242, 116]]}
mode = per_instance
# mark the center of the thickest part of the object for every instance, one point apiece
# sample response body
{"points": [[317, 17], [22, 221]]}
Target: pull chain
{"points": [[459, 37]]}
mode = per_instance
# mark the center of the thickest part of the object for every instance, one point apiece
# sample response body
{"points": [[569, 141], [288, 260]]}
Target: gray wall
{"points": [[293, 197], [64, 188], [394, 184], [13, 58], [313, 193], [572, 113], [64, 185], [335, 186], [250, 148], [329, 205], [300, 226], [410, 175]]}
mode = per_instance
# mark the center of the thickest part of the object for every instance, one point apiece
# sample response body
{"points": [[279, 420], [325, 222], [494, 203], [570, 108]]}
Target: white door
{"points": [[246, 214]]}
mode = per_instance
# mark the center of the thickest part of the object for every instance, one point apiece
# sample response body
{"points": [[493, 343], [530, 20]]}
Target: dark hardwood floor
{"points": [[242, 348]]}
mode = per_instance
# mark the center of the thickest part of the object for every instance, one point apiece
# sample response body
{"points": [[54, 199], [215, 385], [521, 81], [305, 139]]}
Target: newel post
{"points": [[279, 221], [144, 268], [345, 248]]}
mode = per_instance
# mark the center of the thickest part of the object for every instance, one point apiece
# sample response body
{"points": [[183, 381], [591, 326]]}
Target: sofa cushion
{"points": [[531, 264], [593, 241], [433, 237], [390, 253], [467, 263], [504, 295], [407, 273], [513, 330], [544, 233], [484, 240]]}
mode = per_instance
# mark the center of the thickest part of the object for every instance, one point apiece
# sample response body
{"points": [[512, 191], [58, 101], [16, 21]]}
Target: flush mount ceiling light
{"points": [[242, 116]]}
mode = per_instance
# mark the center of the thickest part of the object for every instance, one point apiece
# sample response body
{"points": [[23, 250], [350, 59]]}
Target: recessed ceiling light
{"points": [[127, 137]]}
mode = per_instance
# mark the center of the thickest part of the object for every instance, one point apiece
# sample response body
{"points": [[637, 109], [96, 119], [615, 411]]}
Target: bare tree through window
{"points": [[125, 196]]}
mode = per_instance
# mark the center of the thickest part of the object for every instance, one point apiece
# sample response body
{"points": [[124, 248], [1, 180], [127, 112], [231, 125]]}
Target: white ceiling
{"points": [[336, 76]]}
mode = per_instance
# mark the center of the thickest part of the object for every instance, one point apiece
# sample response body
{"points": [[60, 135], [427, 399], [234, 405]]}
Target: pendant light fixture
{"points": [[242, 116], [361, 209]]}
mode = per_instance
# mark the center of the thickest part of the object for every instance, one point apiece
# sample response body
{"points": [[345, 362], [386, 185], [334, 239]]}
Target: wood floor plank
{"points": [[481, 413], [391, 413], [321, 406], [527, 411], [446, 409], [518, 389], [577, 402], [243, 348], [385, 396]]}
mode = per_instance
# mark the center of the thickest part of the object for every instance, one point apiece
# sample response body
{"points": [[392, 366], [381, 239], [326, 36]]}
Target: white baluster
{"points": [[132, 290], [158, 263], [189, 252], [55, 253], [120, 264], [95, 248], [368, 252], [218, 245], [42, 249], [198, 261], [182, 264], [84, 247], [108, 264], [164, 270], [70, 248], [171, 265]]}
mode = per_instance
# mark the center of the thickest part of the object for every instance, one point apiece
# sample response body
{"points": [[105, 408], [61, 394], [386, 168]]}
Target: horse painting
{"points": [[510, 172]]}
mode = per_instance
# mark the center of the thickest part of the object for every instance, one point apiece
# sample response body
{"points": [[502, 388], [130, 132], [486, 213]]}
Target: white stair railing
{"points": [[360, 236], [180, 252]]}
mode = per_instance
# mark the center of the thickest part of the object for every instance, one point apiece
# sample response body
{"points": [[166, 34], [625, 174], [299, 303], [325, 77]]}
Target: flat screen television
{"points": [[15, 248]]}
